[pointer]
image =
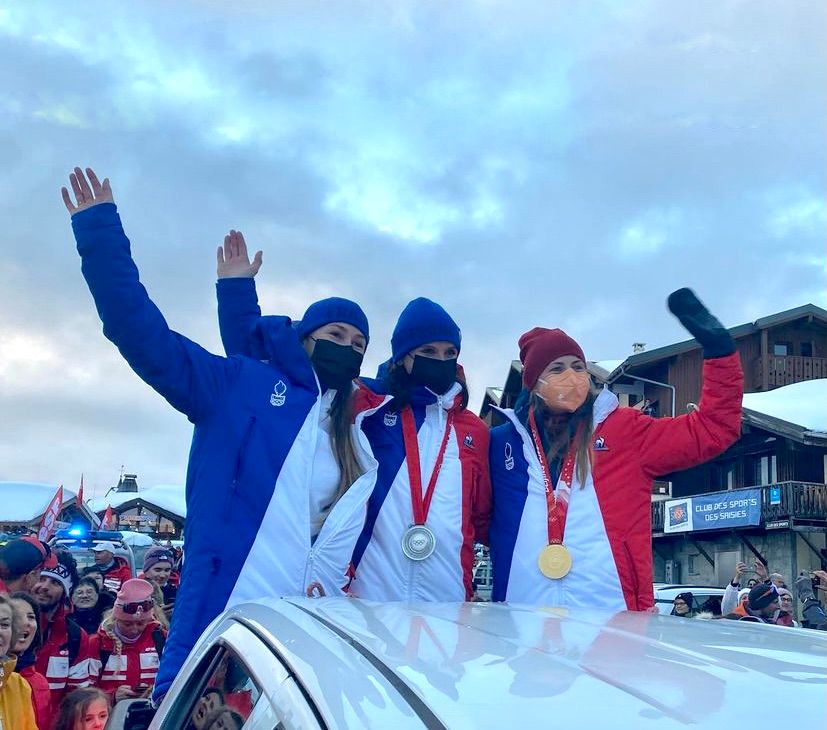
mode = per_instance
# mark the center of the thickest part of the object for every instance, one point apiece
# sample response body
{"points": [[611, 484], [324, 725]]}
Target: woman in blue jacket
{"points": [[275, 488]]}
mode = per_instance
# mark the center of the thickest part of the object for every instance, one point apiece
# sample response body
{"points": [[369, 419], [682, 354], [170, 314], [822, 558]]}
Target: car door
{"points": [[238, 684]]}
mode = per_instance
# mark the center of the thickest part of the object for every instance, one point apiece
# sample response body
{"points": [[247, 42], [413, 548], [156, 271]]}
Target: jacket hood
{"points": [[274, 338]]}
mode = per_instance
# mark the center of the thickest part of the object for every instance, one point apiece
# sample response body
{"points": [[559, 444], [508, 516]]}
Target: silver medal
{"points": [[418, 542]]}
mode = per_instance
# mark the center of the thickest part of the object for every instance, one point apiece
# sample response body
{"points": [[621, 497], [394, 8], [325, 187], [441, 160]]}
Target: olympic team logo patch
{"points": [[390, 419], [509, 458], [600, 444], [278, 396], [468, 441]]}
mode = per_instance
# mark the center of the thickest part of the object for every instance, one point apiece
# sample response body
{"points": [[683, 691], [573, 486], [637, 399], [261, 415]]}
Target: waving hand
{"points": [[233, 259], [86, 194]]}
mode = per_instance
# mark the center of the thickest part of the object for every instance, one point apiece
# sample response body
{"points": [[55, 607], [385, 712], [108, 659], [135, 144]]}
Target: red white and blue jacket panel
{"points": [[608, 525], [458, 514]]}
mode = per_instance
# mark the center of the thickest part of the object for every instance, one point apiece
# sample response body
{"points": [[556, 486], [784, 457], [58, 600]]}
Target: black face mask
{"points": [[436, 375], [336, 365]]}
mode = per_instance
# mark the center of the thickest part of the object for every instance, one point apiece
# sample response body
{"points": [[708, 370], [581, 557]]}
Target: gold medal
{"points": [[554, 561]]}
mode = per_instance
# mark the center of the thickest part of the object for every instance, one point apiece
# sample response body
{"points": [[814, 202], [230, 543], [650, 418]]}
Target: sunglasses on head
{"points": [[133, 608]]}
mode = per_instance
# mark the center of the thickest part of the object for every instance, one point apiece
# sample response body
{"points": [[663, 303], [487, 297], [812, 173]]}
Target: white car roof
{"points": [[496, 665]]}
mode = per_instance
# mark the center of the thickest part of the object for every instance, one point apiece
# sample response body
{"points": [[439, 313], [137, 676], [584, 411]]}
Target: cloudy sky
{"points": [[561, 163]]}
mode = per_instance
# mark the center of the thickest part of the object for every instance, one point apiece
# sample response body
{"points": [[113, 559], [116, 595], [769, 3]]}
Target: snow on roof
{"points": [[800, 403], [169, 497], [26, 501]]}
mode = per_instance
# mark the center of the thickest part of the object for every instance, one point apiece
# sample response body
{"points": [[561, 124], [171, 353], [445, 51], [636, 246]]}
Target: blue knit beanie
{"points": [[423, 321], [333, 309]]}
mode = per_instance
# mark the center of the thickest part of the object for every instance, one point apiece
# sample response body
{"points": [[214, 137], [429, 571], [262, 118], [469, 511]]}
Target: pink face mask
{"points": [[564, 392]]}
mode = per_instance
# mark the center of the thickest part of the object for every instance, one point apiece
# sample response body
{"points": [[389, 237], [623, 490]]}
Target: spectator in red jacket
{"points": [[28, 643], [20, 563], [129, 643], [64, 658], [115, 571]]}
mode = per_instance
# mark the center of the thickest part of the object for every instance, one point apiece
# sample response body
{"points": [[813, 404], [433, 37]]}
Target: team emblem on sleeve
{"points": [[468, 441], [277, 397], [390, 419], [600, 444]]}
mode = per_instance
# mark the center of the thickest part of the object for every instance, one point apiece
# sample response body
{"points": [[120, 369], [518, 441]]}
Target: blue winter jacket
{"points": [[247, 529]]}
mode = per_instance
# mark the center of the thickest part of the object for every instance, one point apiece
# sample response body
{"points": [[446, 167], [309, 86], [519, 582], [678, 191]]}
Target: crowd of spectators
{"points": [[72, 644], [765, 599]]}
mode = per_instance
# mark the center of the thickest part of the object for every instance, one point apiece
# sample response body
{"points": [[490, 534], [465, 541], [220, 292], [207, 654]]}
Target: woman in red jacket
{"points": [[28, 642], [130, 642], [572, 472]]}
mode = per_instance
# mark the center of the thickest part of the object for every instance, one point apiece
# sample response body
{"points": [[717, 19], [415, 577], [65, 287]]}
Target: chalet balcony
{"points": [[801, 502], [787, 369]]}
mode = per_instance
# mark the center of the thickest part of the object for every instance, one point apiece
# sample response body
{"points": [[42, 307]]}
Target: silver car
{"points": [[346, 663]]}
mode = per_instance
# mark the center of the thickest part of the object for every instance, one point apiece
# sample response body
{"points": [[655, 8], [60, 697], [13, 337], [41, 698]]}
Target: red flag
{"points": [[108, 521], [47, 526], [79, 499]]}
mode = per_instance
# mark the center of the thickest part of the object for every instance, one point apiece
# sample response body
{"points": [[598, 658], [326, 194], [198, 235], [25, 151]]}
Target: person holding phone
{"points": [[129, 643]]}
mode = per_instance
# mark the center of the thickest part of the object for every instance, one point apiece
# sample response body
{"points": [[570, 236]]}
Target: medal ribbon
{"points": [[419, 503], [558, 506]]}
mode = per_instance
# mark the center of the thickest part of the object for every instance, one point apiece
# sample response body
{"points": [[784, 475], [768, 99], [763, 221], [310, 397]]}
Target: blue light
{"points": [[76, 531]]}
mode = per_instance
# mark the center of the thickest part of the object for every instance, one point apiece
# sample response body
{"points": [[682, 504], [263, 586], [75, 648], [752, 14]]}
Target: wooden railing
{"points": [[799, 500], [786, 369]]}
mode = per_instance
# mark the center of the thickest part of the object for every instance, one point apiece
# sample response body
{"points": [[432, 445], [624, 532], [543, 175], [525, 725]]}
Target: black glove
{"points": [[708, 331]]}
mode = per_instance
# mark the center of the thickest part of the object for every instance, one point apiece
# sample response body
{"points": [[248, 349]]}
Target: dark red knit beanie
{"points": [[539, 346]]}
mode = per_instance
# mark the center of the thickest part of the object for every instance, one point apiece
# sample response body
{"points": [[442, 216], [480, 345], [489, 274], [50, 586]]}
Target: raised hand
{"points": [[87, 193], [702, 325], [740, 569], [761, 570], [233, 259]]}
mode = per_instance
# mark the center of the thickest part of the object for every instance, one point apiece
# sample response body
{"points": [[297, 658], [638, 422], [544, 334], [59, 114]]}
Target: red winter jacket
{"points": [[132, 665], [41, 696], [115, 577], [608, 527], [65, 657], [652, 447]]}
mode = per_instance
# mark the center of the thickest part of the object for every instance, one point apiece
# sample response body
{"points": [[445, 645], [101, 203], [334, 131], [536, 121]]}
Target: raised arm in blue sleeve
{"points": [[238, 312], [183, 372]]}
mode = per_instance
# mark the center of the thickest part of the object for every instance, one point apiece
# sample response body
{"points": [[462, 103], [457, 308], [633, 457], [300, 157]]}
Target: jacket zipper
{"points": [[308, 565]]}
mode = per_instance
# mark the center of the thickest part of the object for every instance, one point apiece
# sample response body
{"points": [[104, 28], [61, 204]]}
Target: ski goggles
{"points": [[132, 608]]}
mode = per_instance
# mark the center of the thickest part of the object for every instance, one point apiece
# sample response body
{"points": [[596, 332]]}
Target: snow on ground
{"points": [[804, 404]]}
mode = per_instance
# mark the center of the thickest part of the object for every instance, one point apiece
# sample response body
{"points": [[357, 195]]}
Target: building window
{"points": [[693, 564], [767, 470], [724, 475], [781, 348], [806, 349]]}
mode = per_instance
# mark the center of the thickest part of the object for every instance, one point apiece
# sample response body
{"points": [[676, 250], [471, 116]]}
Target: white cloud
{"points": [[650, 232], [806, 215], [520, 162]]}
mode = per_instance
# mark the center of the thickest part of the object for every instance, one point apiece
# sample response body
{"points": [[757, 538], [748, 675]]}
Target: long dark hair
{"points": [[341, 440], [75, 704], [577, 426], [400, 386]]}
